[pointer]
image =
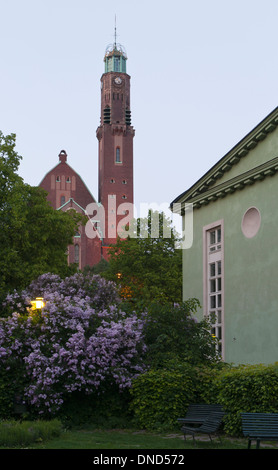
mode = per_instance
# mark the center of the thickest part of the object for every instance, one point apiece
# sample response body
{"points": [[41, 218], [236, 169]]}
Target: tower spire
{"points": [[115, 43], [115, 56]]}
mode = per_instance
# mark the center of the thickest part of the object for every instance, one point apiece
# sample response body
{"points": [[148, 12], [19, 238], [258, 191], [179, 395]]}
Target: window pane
{"points": [[213, 301], [76, 254], [219, 284], [219, 235], [219, 300], [219, 317], [213, 285], [219, 268], [212, 270], [212, 238], [118, 155]]}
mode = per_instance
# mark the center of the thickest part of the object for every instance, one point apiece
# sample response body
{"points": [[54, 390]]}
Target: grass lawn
{"points": [[130, 439]]}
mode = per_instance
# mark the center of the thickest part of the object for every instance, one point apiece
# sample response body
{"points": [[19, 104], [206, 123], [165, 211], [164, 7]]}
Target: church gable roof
{"points": [[243, 165], [64, 172]]}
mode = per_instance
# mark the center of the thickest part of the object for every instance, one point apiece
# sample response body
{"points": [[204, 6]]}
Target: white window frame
{"points": [[213, 253]]}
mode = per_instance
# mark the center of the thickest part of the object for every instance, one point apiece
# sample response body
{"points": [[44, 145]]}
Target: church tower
{"points": [[115, 135]]}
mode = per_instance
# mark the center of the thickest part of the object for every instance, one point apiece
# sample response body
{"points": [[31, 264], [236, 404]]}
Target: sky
{"points": [[203, 75]]}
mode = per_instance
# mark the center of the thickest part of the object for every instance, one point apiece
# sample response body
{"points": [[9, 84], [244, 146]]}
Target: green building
{"points": [[232, 263]]}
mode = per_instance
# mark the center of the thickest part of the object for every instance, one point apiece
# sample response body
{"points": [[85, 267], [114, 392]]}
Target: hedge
{"points": [[161, 396], [247, 388]]}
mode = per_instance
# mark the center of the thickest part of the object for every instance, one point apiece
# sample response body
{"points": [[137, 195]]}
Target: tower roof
{"points": [[115, 56]]}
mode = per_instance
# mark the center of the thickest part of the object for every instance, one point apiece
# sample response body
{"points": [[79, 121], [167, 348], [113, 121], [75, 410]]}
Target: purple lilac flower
{"points": [[80, 340]]}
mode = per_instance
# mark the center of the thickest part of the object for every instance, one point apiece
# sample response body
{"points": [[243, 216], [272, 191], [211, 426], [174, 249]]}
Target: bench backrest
{"points": [[202, 410], [260, 424], [212, 422]]}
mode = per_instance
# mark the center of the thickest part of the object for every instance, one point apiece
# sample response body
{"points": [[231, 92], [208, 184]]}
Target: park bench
{"points": [[210, 425], [197, 413], [260, 427]]}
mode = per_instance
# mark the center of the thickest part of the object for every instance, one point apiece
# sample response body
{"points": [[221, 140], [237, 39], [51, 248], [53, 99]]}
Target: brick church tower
{"points": [[115, 135], [65, 188]]}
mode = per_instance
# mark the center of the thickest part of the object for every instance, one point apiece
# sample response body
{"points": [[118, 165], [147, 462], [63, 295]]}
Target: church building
{"points": [[66, 189], [232, 263]]}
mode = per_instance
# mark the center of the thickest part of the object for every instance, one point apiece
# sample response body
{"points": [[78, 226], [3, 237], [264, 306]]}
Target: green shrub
{"points": [[15, 433], [247, 388], [109, 409], [11, 386], [159, 397], [206, 384]]}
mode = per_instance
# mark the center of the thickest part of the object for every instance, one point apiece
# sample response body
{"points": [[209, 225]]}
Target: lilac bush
{"points": [[80, 341], [98, 292]]}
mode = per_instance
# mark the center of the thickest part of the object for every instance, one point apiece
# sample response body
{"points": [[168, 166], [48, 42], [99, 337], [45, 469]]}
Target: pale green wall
{"points": [[262, 153], [250, 272]]}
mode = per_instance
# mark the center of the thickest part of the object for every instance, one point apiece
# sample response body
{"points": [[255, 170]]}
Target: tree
{"points": [[147, 265], [33, 236], [80, 341], [174, 336]]}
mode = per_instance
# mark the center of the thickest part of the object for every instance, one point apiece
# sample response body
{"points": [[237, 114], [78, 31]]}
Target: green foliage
{"points": [[172, 333], [15, 433], [12, 384], [7, 394], [205, 379], [33, 236], [99, 268], [160, 397], [108, 409], [248, 388], [147, 265]]}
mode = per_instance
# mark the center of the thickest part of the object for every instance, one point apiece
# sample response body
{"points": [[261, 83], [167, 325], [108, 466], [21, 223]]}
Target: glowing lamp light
{"points": [[39, 303]]}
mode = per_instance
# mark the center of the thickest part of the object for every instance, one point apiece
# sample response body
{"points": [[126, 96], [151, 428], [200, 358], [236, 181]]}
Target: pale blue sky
{"points": [[203, 74]]}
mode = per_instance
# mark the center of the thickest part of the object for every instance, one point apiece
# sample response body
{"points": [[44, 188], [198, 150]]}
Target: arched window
{"points": [[118, 155], [76, 254], [63, 200]]}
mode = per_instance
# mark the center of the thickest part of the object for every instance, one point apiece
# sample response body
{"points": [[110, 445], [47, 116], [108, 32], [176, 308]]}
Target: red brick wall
{"points": [[62, 180]]}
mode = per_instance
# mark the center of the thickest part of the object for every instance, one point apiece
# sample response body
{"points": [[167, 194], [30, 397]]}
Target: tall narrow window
{"points": [[63, 200], [118, 155], [76, 254], [214, 281]]}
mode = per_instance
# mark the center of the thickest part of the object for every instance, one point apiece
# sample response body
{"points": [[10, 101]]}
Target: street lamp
{"points": [[38, 303]]}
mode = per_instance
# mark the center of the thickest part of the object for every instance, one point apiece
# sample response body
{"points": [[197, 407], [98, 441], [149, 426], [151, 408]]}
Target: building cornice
{"points": [[202, 191], [238, 183]]}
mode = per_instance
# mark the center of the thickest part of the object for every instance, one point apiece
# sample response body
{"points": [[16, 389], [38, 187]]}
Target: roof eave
{"points": [[239, 151]]}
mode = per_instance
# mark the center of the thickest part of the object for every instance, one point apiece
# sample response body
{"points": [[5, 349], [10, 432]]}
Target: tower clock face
{"points": [[118, 80]]}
